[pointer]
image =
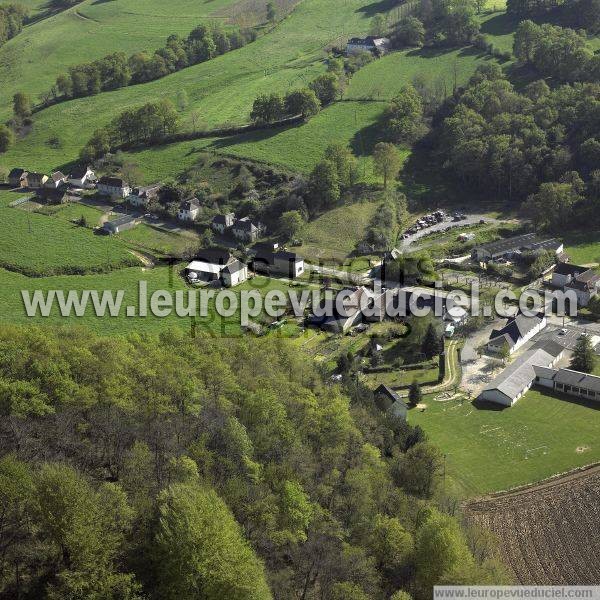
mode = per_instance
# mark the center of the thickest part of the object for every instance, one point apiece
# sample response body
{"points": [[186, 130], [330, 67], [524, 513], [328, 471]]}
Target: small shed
{"points": [[120, 224], [388, 400]]}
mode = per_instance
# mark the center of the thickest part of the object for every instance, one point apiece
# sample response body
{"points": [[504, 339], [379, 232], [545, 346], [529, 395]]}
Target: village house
{"points": [[141, 196], [519, 376], [339, 321], [567, 381], [120, 224], [114, 187], [17, 178], [234, 273], [514, 247], [36, 180], [389, 401], [280, 262], [221, 223], [81, 176], [244, 230], [219, 256], [584, 282], [517, 331], [188, 210], [56, 180], [215, 265], [376, 45]]}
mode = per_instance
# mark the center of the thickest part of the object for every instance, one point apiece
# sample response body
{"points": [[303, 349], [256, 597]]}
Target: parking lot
{"points": [[566, 337], [447, 223]]}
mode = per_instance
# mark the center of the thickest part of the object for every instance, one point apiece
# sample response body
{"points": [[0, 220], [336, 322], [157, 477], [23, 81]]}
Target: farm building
{"points": [[519, 376], [120, 224], [281, 262], [515, 333], [377, 45], [511, 247], [340, 320], [51, 196], [388, 400], [141, 196], [214, 265], [234, 273], [245, 230], [17, 178], [584, 282], [567, 381], [215, 255]]}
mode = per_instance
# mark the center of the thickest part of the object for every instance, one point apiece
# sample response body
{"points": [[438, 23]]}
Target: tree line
{"points": [[12, 18], [117, 70], [148, 124], [323, 90], [178, 468]]}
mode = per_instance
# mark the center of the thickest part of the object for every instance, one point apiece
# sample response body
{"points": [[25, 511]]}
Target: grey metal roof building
{"points": [[567, 381], [528, 242], [519, 376]]}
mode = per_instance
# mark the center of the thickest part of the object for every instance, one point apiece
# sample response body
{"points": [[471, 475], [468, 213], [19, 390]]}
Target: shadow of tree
{"points": [[370, 10]]}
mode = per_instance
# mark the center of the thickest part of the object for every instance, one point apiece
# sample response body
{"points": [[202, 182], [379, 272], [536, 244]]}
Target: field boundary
{"points": [[544, 484]]}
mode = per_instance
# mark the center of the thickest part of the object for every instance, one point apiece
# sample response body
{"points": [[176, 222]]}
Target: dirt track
{"points": [[549, 532]]}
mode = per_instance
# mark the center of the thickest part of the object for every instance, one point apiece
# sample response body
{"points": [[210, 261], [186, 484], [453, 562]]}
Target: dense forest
{"points": [[536, 144], [171, 467], [575, 13]]}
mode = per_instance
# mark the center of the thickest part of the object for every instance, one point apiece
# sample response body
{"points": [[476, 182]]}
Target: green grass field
{"points": [[383, 79], [146, 237], [491, 450], [583, 248], [73, 212], [222, 90], [32, 60], [160, 278], [335, 234], [40, 244]]}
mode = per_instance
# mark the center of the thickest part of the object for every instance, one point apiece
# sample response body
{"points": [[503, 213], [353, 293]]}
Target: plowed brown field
{"points": [[549, 532]]}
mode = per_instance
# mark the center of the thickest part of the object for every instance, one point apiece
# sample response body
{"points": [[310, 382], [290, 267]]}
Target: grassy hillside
{"points": [[382, 79], [31, 61], [222, 90], [41, 244]]}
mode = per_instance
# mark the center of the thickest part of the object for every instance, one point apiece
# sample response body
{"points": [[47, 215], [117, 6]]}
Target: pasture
{"points": [[127, 280], [39, 245], [383, 79], [222, 90], [583, 247], [488, 449], [47, 47], [335, 234]]}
